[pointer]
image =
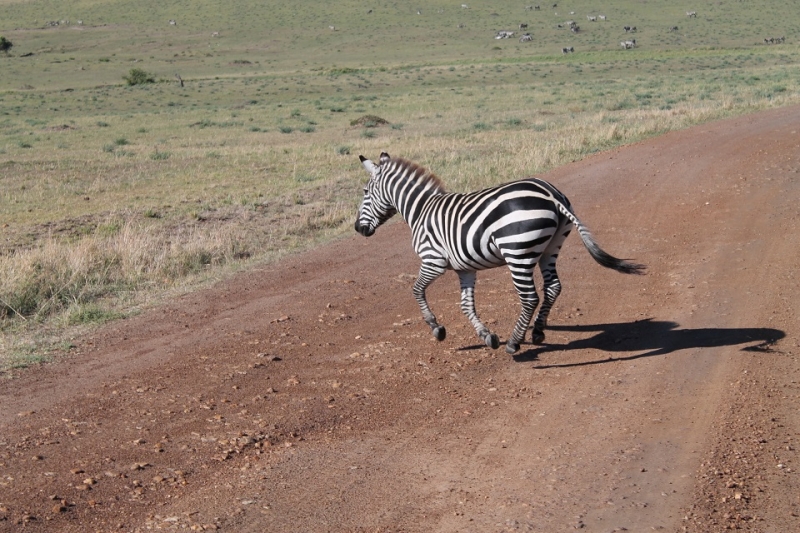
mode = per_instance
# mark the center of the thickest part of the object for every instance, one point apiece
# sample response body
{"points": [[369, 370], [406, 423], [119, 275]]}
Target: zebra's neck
{"points": [[409, 187]]}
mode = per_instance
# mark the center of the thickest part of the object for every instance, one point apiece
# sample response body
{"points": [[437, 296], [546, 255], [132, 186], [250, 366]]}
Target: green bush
{"points": [[5, 45], [138, 76]]}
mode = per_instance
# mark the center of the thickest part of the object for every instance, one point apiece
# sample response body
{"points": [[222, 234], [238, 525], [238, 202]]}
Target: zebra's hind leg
{"points": [[467, 280], [552, 285], [427, 274], [523, 282], [552, 288]]}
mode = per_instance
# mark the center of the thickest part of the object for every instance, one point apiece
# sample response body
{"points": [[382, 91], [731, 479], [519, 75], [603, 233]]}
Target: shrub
{"points": [[137, 76], [5, 45], [369, 121]]}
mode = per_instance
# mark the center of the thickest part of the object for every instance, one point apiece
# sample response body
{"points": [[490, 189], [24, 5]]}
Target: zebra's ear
{"points": [[385, 157], [369, 165]]}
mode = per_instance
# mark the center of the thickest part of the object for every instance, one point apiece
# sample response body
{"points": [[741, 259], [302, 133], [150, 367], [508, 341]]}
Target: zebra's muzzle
{"points": [[366, 231]]}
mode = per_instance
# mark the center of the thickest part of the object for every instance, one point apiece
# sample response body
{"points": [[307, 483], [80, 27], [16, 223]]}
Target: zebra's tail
{"points": [[600, 255]]}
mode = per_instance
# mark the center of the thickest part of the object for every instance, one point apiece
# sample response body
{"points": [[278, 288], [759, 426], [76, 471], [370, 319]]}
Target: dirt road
{"points": [[308, 396]]}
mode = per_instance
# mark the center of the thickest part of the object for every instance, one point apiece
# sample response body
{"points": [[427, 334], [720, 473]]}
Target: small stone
{"points": [[59, 509]]}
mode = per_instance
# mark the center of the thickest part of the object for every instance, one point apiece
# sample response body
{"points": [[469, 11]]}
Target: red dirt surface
{"points": [[309, 396]]}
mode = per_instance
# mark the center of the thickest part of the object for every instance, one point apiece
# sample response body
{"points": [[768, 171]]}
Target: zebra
{"points": [[692, 14], [567, 50], [519, 224], [526, 38]]}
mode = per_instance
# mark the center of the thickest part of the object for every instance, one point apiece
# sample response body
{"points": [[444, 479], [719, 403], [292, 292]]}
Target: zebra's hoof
{"points": [[439, 333], [512, 347], [538, 337], [492, 341]]}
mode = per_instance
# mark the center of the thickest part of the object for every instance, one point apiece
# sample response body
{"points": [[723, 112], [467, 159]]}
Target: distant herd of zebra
{"points": [[570, 24], [574, 28]]}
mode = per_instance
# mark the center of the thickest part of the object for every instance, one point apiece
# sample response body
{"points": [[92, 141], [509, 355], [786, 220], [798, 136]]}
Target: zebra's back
{"points": [[483, 229]]}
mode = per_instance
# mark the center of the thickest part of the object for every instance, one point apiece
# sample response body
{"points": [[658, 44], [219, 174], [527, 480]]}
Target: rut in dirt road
{"points": [[309, 396]]}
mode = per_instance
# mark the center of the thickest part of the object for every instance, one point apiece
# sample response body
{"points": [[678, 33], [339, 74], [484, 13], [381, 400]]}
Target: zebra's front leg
{"points": [[529, 300], [467, 280], [427, 274]]}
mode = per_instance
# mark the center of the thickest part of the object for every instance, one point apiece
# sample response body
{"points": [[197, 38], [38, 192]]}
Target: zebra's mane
{"points": [[417, 173]]}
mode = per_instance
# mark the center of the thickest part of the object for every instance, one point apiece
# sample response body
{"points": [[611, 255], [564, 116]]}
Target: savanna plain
{"points": [[190, 338]]}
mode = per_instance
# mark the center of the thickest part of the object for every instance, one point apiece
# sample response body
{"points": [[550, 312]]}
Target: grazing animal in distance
{"points": [[519, 224]]}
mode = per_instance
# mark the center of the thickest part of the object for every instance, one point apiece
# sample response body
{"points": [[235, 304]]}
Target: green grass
{"points": [[255, 155]]}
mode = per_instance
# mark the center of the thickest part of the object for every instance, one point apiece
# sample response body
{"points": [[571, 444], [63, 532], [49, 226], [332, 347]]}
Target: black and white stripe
{"points": [[519, 224]]}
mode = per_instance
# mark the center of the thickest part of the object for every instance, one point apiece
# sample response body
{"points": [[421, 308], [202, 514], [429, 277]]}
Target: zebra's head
{"points": [[375, 208]]}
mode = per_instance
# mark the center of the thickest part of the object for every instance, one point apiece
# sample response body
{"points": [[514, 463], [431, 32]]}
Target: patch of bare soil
{"points": [[309, 395]]}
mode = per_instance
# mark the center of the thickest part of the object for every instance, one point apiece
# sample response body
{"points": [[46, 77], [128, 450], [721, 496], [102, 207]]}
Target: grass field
{"points": [[114, 196]]}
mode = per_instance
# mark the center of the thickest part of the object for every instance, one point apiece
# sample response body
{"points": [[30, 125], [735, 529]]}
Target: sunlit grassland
{"points": [[113, 196]]}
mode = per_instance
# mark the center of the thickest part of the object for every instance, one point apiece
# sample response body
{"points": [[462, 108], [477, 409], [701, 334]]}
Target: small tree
{"points": [[138, 76], [5, 45]]}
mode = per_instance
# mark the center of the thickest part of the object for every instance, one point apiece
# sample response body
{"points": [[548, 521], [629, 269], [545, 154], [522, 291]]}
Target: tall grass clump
{"points": [[57, 276]]}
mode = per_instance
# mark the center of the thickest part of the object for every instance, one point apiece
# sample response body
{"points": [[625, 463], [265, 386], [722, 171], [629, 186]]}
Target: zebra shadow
{"points": [[653, 337]]}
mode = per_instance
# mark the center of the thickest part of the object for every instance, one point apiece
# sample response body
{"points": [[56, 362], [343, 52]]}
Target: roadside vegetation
{"points": [[140, 159]]}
